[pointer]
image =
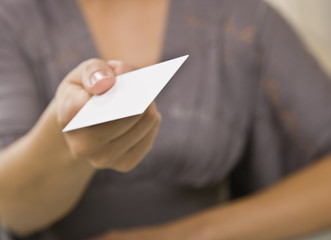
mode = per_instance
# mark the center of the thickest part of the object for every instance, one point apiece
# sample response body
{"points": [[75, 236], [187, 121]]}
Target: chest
{"points": [[131, 31]]}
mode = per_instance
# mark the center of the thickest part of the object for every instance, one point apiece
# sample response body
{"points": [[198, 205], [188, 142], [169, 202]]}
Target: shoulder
{"points": [[29, 19], [25, 23], [20, 20], [238, 8]]}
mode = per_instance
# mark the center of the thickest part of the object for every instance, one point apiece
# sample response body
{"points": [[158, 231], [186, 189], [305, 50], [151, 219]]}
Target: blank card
{"points": [[131, 95]]}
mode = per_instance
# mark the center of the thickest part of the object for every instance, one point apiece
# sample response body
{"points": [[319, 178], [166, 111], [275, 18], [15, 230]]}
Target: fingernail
{"points": [[97, 76]]}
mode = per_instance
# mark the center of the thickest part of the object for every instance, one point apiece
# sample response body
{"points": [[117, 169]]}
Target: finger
{"points": [[83, 142], [118, 147], [136, 154], [120, 67], [132, 155], [94, 75], [98, 77], [92, 139], [70, 98]]}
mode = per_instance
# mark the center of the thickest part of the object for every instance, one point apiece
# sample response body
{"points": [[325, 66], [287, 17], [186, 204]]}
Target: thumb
{"points": [[98, 77]]}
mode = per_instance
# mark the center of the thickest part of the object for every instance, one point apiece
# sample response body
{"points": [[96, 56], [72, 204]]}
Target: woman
{"points": [[250, 105]]}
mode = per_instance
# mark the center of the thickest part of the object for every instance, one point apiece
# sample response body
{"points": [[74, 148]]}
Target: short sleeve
{"points": [[20, 104], [292, 121], [297, 89]]}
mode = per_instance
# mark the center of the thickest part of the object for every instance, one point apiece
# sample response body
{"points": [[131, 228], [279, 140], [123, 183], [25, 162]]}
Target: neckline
{"points": [[83, 27]]}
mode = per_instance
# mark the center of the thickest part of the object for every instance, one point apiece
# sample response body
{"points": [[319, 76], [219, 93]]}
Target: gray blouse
{"points": [[250, 105]]}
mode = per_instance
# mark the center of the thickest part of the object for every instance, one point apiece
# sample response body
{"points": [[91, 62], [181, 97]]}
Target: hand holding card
{"points": [[131, 95], [116, 129]]}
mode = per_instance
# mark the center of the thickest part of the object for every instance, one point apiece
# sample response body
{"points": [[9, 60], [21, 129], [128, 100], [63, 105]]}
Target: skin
{"points": [[144, 21], [296, 206], [60, 165]]}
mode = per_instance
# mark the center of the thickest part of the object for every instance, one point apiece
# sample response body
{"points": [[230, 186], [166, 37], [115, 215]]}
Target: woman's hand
{"points": [[185, 229], [59, 164], [119, 144]]}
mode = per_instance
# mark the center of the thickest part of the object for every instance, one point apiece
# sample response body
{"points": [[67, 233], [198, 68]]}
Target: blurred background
{"points": [[311, 19]]}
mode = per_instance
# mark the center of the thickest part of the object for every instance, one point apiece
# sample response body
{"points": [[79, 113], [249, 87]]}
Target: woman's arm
{"points": [[296, 206], [40, 180], [43, 174]]}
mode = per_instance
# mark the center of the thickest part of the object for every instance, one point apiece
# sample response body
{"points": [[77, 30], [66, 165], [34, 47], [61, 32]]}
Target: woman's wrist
{"points": [[47, 134], [49, 153], [43, 180]]}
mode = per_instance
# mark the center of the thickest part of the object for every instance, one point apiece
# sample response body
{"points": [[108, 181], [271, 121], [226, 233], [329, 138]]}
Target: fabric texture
{"points": [[250, 104]]}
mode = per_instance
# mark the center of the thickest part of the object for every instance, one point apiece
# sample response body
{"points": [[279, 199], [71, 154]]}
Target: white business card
{"points": [[131, 95]]}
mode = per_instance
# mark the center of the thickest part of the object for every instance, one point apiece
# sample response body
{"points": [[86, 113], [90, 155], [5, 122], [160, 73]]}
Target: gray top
{"points": [[250, 104]]}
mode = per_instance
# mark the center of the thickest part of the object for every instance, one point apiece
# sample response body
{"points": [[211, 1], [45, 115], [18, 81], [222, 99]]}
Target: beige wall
{"points": [[312, 18]]}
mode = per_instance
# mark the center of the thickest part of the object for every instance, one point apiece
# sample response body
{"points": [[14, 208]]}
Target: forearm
{"points": [[298, 205], [40, 181]]}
